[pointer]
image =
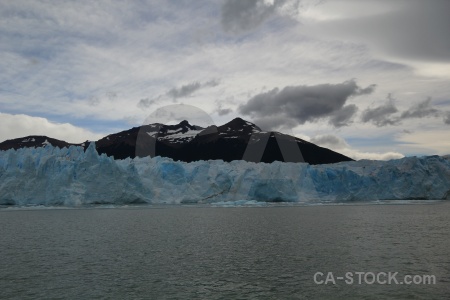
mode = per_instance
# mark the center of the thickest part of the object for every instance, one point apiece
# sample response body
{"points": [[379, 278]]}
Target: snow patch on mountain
{"points": [[178, 134]]}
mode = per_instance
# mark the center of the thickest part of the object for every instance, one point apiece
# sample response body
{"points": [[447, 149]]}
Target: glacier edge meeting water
{"points": [[73, 177]]}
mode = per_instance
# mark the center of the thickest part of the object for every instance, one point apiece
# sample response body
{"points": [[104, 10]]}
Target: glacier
{"points": [[73, 177]]}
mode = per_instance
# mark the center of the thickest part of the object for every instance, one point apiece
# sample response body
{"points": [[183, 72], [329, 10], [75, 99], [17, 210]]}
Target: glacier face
{"points": [[70, 176]]}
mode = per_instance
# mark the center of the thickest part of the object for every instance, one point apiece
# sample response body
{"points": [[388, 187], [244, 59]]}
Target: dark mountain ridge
{"points": [[235, 140]]}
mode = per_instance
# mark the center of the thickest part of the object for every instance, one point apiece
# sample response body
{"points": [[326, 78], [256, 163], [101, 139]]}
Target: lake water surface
{"points": [[198, 252]]}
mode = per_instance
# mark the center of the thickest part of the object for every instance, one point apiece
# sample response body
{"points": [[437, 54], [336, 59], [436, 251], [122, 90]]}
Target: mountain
{"points": [[235, 140], [33, 141]]}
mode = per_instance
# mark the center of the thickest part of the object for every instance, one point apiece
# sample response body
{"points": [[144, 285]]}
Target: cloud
{"points": [[330, 141], [147, 102], [212, 83], [275, 122], [366, 91], [338, 144], [426, 141], [224, 111], [184, 90], [413, 29], [93, 101], [343, 116], [381, 115], [420, 110], [189, 89], [14, 126], [93, 59], [238, 15], [300, 104], [447, 118], [178, 92]]}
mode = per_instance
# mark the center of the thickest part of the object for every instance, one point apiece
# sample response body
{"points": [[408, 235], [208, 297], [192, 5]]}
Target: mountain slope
{"points": [[33, 141], [235, 140]]}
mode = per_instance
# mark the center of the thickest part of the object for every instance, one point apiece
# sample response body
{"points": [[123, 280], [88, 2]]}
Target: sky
{"points": [[369, 79]]}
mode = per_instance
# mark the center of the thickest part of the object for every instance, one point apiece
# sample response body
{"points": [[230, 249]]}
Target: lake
{"points": [[204, 252]]}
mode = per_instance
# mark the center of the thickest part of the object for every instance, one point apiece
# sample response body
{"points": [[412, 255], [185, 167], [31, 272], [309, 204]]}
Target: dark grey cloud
{"points": [[384, 114], [212, 83], [145, 103], [178, 92], [366, 91], [244, 15], [447, 118], [343, 116], [413, 29], [224, 111], [184, 90], [381, 115], [274, 122], [300, 104], [420, 110], [189, 89]]}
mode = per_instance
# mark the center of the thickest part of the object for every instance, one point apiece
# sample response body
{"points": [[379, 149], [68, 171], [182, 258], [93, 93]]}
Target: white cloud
{"points": [[357, 155], [432, 141], [14, 126], [338, 144], [320, 11]]}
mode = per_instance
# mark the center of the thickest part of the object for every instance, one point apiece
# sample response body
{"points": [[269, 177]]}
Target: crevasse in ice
{"points": [[71, 176]]}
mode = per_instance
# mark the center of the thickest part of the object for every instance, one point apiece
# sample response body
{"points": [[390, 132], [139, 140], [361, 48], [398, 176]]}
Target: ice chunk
{"points": [[72, 176]]}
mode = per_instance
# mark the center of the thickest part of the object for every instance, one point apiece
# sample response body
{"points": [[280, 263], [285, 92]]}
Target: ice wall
{"points": [[70, 176]]}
